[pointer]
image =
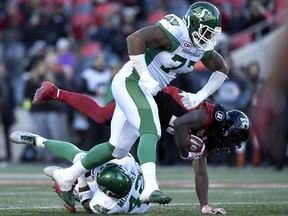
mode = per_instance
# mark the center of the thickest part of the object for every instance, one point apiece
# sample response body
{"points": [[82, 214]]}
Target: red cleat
{"points": [[58, 191], [48, 91]]}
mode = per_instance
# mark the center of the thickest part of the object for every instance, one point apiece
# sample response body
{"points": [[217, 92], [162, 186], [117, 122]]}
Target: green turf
{"points": [[33, 199]]}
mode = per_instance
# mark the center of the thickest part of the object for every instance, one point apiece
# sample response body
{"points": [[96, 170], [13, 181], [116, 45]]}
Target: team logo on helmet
{"points": [[244, 122], [202, 13], [219, 115]]}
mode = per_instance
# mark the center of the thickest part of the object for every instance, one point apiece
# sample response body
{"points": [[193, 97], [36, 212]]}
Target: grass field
{"points": [[25, 190]]}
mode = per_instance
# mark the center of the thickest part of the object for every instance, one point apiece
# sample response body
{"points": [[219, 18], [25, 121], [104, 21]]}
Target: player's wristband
{"points": [[215, 81], [85, 195], [139, 63], [82, 182]]}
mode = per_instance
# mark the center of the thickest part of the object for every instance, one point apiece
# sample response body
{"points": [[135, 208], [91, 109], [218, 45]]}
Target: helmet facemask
{"points": [[204, 37]]}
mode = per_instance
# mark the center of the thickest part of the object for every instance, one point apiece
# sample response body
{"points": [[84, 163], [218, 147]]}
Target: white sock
{"points": [[76, 170], [79, 156], [66, 177], [149, 173], [40, 141]]}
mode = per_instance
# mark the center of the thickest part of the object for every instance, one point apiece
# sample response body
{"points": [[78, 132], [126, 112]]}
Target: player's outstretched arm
{"points": [[202, 186], [215, 63], [201, 180]]}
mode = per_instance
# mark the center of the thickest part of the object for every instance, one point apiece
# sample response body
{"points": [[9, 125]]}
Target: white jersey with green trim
{"points": [[164, 65], [101, 203]]}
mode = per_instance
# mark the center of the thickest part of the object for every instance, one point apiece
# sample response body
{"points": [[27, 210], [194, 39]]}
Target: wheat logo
{"points": [[202, 14]]}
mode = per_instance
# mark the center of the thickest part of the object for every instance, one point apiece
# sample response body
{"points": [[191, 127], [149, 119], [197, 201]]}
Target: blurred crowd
{"points": [[80, 44]]}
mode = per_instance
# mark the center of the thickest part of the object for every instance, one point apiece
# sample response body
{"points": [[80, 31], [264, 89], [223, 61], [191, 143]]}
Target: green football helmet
{"points": [[113, 180], [203, 21]]}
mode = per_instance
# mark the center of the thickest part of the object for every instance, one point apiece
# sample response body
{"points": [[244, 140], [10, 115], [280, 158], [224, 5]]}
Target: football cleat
{"points": [[65, 186], [23, 137], [48, 91], [157, 197], [50, 169], [69, 198], [57, 190]]}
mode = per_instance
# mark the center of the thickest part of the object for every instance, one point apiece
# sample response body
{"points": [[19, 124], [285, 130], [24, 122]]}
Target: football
{"points": [[195, 144]]}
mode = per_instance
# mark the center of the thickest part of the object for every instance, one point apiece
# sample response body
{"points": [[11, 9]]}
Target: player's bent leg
{"points": [[98, 155], [48, 91], [59, 148], [65, 178], [62, 149]]}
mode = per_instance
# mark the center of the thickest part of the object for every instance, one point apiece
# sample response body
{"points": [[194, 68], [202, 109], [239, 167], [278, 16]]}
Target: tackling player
{"points": [[208, 121], [157, 55], [116, 185]]}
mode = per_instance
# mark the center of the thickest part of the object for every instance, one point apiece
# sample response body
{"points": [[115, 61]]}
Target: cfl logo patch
{"points": [[186, 45], [219, 115]]}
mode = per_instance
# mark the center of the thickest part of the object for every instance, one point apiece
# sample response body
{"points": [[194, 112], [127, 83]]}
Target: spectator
{"points": [[7, 105], [93, 83], [66, 57], [252, 153], [257, 14], [48, 116], [237, 22], [236, 92], [125, 27], [57, 24]]}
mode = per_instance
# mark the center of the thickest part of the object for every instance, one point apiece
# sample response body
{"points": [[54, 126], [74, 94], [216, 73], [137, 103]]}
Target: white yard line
{"points": [[171, 184]]}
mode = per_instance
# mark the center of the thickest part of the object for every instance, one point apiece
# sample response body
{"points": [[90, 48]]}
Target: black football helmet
{"points": [[113, 180], [236, 131]]}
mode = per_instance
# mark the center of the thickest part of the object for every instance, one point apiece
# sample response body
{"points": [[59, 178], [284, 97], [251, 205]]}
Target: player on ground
{"points": [[207, 121], [117, 184], [157, 55]]}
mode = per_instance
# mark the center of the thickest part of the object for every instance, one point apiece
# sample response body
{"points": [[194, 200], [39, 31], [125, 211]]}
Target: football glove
{"points": [[139, 63], [191, 100], [149, 83], [193, 156], [210, 210]]}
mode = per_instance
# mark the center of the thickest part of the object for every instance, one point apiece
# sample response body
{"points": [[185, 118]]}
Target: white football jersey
{"points": [[164, 65], [128, 204]]}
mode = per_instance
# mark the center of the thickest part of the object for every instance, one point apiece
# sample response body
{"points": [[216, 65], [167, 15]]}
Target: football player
{"points": [[209, 121], [157, 55], [116, 187]]}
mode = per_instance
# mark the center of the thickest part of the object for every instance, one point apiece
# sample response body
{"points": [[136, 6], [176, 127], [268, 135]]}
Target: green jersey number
{"points": [[133, 201], [177, 58], [172, 20]]}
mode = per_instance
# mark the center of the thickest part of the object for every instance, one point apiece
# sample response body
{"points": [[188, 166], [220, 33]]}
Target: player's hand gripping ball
{"points": [[195, 144]]}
